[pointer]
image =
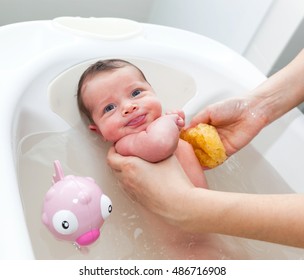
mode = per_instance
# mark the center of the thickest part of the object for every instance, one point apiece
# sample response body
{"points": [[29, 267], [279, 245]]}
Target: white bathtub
{"points": [[180, 66]]}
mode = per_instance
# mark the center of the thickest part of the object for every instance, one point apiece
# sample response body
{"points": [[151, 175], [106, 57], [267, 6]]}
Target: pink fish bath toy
{"points": [[75, 208]]}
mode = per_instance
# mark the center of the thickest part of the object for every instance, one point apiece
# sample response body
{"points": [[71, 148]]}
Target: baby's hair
{"points": [[96, 68]]}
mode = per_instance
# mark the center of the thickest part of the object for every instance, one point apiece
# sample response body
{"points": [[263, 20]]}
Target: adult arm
{"points": [[170, 194], [239, 120]]}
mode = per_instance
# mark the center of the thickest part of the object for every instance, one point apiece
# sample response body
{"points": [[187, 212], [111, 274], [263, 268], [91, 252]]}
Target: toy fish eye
{"points": [[105, 206], [65, 225], [65, 222]]}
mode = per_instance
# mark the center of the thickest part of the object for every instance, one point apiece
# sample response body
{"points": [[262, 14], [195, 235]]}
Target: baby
{"points": [[123, 108]]}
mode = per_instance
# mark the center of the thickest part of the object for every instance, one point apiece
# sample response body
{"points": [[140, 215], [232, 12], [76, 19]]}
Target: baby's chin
{"points": [[137, 129], [127, 131]]}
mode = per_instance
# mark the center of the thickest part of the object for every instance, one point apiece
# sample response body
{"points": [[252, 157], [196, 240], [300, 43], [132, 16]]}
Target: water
{"points": [[131, 232]]}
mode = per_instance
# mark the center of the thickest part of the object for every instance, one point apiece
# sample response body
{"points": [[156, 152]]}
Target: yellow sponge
{"points": [[206, 144]]}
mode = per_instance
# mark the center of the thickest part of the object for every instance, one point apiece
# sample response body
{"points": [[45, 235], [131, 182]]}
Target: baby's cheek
{"points": [[111, 135]]}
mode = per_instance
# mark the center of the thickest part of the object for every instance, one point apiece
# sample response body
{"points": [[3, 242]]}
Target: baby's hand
{"points": [[180, 117]]}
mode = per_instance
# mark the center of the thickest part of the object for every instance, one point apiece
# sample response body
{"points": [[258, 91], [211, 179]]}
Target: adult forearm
{"points": [[273, 218], [281, 92]]}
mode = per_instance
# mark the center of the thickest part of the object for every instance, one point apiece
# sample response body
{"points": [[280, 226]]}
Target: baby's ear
{"points": [[94, 128]]}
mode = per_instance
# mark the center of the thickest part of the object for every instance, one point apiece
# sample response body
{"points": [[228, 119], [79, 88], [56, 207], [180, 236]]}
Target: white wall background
{"points": [[267, 32], [232, 22], [280, 36]]}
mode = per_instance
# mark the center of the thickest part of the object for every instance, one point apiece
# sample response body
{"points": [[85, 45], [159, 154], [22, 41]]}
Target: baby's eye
{"points": [[109, 108], [136, 92]]}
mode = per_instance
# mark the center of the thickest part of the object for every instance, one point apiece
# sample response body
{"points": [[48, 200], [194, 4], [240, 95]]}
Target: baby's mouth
{"points": [[137, 121]]}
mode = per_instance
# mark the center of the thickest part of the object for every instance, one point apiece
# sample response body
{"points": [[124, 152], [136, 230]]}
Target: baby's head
{"points": [[117, 99], [101, 66]]}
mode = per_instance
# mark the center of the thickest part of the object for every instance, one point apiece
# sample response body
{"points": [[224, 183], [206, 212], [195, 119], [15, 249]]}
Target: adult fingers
{"points": [[114, 159]]}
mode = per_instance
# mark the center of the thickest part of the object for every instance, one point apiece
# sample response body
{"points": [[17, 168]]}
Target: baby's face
{"points": [[121, 102]]}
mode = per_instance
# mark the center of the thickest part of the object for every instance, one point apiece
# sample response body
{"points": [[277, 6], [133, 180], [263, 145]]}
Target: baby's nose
{"points": [[129, 109]]}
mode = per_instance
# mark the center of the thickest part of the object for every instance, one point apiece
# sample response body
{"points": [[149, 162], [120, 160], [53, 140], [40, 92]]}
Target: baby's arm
{"points": [[156, 143]]}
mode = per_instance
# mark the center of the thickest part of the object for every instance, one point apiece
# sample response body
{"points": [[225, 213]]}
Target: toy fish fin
{"points": [[59, 175]]}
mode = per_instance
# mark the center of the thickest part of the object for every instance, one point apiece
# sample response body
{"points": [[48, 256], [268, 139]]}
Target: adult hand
{"points": [[237, 120], [159, 187]]}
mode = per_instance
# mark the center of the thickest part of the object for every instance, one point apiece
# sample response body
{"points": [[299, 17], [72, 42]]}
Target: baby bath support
{"points": [[32, 54]]}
